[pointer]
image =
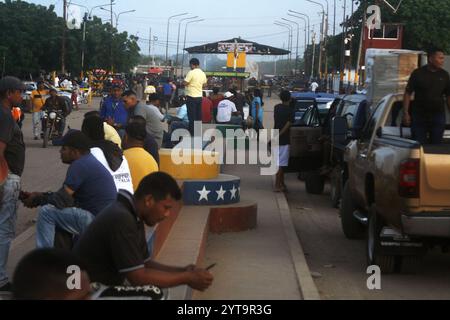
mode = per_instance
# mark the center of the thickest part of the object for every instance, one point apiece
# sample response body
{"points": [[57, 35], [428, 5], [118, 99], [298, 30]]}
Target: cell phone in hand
{"points": [[211, 266]]}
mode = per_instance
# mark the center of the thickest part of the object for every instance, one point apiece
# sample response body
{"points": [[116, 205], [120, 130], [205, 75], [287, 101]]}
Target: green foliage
{"points": [[426, 22], [31, 40]]}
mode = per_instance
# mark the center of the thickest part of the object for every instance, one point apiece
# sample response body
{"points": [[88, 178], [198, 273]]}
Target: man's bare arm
{"points": [[406, 108], [161, 267], [196, 279], [3, 163]]}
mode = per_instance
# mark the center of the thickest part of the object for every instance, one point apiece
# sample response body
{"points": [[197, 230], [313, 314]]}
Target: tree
{"points": [[426, 22], [32, 36]]}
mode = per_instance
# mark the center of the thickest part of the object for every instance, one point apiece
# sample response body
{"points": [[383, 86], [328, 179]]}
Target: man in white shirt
{"points": [[194, 82], [314, 86], [226, 110], [108, 153]]}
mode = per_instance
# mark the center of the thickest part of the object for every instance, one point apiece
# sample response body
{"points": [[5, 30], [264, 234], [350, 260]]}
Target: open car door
{"points": [[306, 147]]}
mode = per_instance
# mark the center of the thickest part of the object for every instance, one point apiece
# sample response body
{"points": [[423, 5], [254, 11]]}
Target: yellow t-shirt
{"points": [[38, 99], [150, 90], [141, 164], [196, 79], [112, 135]]}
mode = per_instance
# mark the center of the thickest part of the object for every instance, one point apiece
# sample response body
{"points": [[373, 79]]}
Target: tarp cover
{"points": [[250, 47]]}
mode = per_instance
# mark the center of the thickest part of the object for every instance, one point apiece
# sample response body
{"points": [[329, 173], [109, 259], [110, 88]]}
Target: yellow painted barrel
{"points": [[190, 164]]}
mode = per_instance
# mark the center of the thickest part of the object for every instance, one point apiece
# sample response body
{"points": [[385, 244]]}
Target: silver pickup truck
{"points": [[397, 192]]}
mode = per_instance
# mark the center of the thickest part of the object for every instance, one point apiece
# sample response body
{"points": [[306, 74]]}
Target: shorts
{"points": [[283, 156]]}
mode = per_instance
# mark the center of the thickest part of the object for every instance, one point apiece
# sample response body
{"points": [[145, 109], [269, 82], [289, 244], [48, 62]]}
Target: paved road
{"points": [[341, 262]]}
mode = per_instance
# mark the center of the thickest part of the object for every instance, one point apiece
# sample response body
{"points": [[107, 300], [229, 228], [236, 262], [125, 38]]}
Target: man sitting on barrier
{"points": [[114, 248]]}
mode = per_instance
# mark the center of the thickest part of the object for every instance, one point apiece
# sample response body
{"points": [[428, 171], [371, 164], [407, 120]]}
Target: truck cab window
{"points": [[372, 123]]}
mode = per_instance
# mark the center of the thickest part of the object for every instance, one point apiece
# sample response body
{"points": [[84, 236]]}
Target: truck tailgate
{"points": [[435, 180]]}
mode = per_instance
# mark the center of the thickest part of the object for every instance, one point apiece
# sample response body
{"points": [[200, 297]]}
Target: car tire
{"points": [[387, 263], [336, 187], [314, 182], [353, 230], [410, 264]]}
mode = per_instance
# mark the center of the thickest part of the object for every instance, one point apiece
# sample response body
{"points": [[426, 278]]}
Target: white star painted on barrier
{"points": [[204, 194], [221, 194], [233, 192]]}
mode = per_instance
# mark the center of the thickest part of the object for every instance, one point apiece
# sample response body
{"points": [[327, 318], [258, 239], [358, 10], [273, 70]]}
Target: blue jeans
{"points": [[428, 129], [72, 220], [8, 218], [194, 109], [37, 123]]}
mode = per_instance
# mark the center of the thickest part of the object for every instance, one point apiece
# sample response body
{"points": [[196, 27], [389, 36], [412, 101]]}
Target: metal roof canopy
{"points": [[226, 46]]}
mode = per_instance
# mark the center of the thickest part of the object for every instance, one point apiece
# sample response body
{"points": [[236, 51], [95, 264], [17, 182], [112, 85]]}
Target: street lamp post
{"points": [[306, 35], [184, 45], [309, 22], [298, 39], [289, 27], [322, 35], [87, 16], [178, 39], [168, 30], [121, 13]]}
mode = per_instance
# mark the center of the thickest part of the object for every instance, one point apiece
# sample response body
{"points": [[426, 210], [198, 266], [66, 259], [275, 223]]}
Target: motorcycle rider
{"points": [[56, 104]]}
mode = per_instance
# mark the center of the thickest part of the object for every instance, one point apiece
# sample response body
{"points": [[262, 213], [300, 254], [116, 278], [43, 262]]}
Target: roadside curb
{"points": [[305, 281]]}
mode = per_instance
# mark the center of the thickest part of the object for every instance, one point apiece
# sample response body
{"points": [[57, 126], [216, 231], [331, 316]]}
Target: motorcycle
{"points": [[51, 122]]}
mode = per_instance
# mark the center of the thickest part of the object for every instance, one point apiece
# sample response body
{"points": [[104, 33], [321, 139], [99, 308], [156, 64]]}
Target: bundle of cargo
{"points": [[388, 71]]}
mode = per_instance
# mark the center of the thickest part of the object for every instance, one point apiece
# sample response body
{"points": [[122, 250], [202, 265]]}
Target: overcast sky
{"points": [[250, 20]]}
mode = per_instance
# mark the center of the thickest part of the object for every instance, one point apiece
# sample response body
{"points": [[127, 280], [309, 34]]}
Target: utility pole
{"points": [[334, 19], [150, 45], [361, 40], [83, 48], [111, 44], [344, 36], [313, 54], [63, 50]]}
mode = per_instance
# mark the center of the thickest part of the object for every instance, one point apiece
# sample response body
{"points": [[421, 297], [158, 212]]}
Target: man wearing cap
{"points": [[12, 163], [87, 190], [113, 110], [227, 112], [37, 102]]}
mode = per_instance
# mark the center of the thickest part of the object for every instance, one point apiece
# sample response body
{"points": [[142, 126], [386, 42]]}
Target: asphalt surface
{"points": [[339, 265]]}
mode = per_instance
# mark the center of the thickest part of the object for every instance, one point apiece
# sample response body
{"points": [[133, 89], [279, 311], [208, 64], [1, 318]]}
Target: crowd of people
{"points": [[112, 190]]}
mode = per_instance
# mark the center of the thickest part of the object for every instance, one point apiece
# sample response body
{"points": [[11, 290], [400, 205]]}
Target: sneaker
{"points": [[6, 288]]}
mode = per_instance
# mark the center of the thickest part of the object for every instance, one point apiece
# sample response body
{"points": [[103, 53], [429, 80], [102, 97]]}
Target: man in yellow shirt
{"points": [[194, 83], [141, 163], [38, 98]]}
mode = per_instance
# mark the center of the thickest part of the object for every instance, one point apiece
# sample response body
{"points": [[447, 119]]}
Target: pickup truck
{"points": [[395, 189]]}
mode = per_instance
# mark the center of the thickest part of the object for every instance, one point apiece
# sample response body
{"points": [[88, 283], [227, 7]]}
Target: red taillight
{"points": [[409, 182]]}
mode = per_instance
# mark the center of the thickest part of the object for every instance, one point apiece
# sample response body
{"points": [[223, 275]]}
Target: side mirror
{"points": [[339, 129]]}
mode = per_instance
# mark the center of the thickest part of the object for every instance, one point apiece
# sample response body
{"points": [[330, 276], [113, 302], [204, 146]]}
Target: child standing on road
{"points": [[284, 117]]}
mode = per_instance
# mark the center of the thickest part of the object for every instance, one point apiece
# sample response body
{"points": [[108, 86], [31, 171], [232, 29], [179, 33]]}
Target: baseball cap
{"points": [[11, 83], [77, 140], [228, 95]]}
